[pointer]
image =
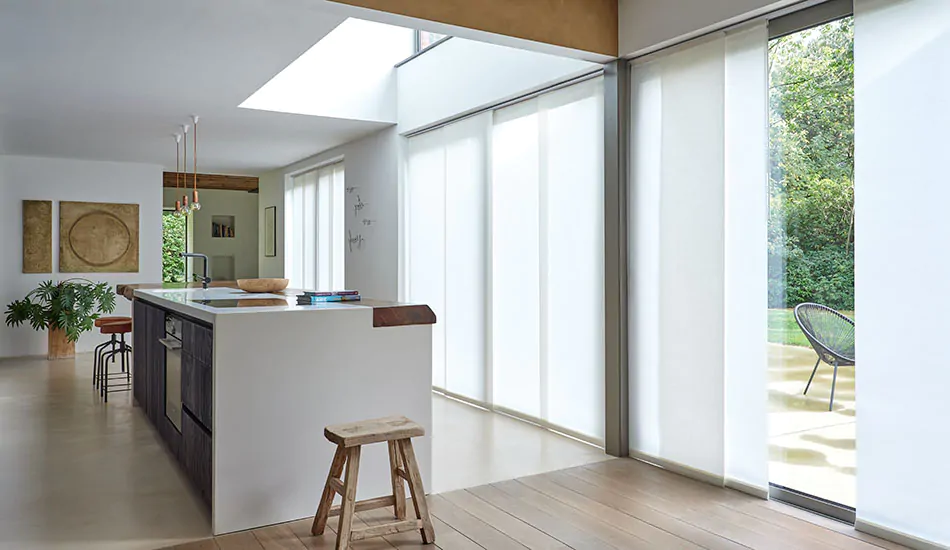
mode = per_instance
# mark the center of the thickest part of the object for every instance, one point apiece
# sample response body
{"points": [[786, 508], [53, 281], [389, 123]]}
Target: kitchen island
{"points": [[240, 387]]}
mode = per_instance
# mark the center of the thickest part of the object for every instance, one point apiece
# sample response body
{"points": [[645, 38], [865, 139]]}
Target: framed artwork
{"points": [[98, 237], [37, 236], [270, 232]]}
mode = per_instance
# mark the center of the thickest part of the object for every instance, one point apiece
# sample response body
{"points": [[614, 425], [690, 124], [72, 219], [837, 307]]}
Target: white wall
{"points": [[461, 75], [240, 204], [327, 80], [23, 178], [648, 24], [371, 175]]}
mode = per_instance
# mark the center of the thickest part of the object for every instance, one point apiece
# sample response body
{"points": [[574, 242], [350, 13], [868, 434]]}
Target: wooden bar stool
{"points": [[119, 329], [397, 432], [102, 349]]}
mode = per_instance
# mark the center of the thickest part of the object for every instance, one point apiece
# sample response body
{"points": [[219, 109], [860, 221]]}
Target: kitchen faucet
{"points": [[204, 276]]}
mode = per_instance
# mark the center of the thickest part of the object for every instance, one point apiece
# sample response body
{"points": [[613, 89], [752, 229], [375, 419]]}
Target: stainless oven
{"points": [[172, 343]]}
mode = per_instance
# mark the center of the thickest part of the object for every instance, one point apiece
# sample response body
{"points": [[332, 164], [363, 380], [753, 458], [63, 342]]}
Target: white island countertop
{"points": [[205, 304]]}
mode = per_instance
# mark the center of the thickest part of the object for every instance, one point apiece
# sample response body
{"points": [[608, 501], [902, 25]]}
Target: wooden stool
{"points": [[349, 438]]}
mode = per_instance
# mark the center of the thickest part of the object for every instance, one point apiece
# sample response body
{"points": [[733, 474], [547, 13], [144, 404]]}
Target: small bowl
{"points": [[262, 285]]}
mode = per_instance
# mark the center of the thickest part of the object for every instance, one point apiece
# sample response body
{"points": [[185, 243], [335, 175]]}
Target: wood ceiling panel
{"points": [[214, 181]]}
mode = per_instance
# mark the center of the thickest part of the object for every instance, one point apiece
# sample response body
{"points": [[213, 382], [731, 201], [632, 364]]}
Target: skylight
{"points": [[347, 74]]}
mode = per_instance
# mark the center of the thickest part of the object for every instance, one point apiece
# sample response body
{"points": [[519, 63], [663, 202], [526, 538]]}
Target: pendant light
{"points": [[177, 172], [195, 205], [185, 209]]}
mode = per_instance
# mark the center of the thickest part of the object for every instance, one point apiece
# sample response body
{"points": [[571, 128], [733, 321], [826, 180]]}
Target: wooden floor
{"points": [[619, 504]]}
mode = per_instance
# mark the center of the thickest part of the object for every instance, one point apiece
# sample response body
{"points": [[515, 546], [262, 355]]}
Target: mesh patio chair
{"points": [[831, 334]]}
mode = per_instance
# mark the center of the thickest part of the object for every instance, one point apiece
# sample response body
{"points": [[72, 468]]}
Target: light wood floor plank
{"points": [[653, 535], [475, 529], [705, 514], [620, 504], [244, 540], [278, 537], [830, 524], [518, 530], [573, 480], [600, 529], [575, 538], [801, 532], [207, 544]]}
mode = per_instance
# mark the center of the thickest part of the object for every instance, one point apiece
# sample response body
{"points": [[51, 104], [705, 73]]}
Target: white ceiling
{"points": [[113, 80]]}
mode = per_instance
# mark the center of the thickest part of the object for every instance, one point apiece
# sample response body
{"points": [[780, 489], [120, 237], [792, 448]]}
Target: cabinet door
{"points": [[140, 354], [197, 340], [196, 389], [196, 456], [156, 366]]}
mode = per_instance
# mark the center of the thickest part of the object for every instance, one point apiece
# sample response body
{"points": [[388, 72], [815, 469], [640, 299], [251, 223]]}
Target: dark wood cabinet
{"points": [[198, 341], [155, 366], [140, 354], [196, 455], [192, 445], [196, 388]]}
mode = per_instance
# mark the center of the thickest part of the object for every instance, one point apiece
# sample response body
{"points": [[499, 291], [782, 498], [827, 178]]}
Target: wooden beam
{"points": [[586, 25], [213, 181]]}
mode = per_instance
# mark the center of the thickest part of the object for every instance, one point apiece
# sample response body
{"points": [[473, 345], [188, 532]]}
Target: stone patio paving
{"points": [[811, 449]]}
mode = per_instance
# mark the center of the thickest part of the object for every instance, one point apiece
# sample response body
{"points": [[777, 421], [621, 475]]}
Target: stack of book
{"points": [[310, 298]]}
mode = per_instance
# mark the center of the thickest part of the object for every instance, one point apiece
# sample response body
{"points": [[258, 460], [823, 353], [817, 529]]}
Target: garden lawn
{"points": [[784, 330]]}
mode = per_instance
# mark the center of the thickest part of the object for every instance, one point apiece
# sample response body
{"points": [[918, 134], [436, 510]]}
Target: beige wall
{"points": [[240, 204]]}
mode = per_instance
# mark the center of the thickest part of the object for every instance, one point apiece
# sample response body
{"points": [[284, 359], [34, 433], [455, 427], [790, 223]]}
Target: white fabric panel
{"points": [[746, 257], [425, 235], [697, 235], [504, 239], [466, 215], [309, 237], [313, 228], [516, 260], [646, 91], [573, 213], [337, 228], [691, 258], [902, 110]]}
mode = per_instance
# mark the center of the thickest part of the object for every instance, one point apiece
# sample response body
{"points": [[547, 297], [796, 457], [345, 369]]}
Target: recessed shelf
{"points": [[222, 227]]}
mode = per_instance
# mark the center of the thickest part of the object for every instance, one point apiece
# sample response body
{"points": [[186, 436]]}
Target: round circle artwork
{"points": [[99, 238]]}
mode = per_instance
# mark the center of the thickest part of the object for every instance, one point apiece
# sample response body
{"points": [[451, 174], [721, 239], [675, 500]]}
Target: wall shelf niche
{"points": [[222, 227]]}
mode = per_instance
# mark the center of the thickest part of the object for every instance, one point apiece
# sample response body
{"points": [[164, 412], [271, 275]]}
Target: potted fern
{"points": [[65, 310]]}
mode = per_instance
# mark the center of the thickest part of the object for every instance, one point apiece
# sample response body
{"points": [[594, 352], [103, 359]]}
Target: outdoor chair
{"points": [[831, 334]]}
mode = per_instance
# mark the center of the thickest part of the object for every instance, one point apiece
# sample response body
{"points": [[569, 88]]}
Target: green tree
{"points": [[811, 171], [173, 244]]}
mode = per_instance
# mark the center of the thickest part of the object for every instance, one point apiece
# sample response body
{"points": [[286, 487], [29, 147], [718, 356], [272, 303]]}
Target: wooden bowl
{"points": [[262, 285]]}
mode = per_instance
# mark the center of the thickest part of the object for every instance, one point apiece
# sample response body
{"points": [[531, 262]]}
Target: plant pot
{"points": [[59, 347]]}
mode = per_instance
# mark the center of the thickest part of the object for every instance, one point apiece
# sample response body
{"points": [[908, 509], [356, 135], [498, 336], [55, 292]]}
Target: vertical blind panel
{"points": [[290, 237], [691, 258], [646, 90], [338, 232], [324, 219], [902, 111], [746, 256], [425, 231], [516, 290], [572, 162], [309, 235], [466, 218], [698, 136]]}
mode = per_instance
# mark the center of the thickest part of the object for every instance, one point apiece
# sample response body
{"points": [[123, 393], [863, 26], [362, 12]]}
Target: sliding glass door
{"points": [[504, 239]]}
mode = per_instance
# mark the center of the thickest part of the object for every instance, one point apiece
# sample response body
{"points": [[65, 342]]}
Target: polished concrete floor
{"points": [[81, 475], [811, 449]]}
